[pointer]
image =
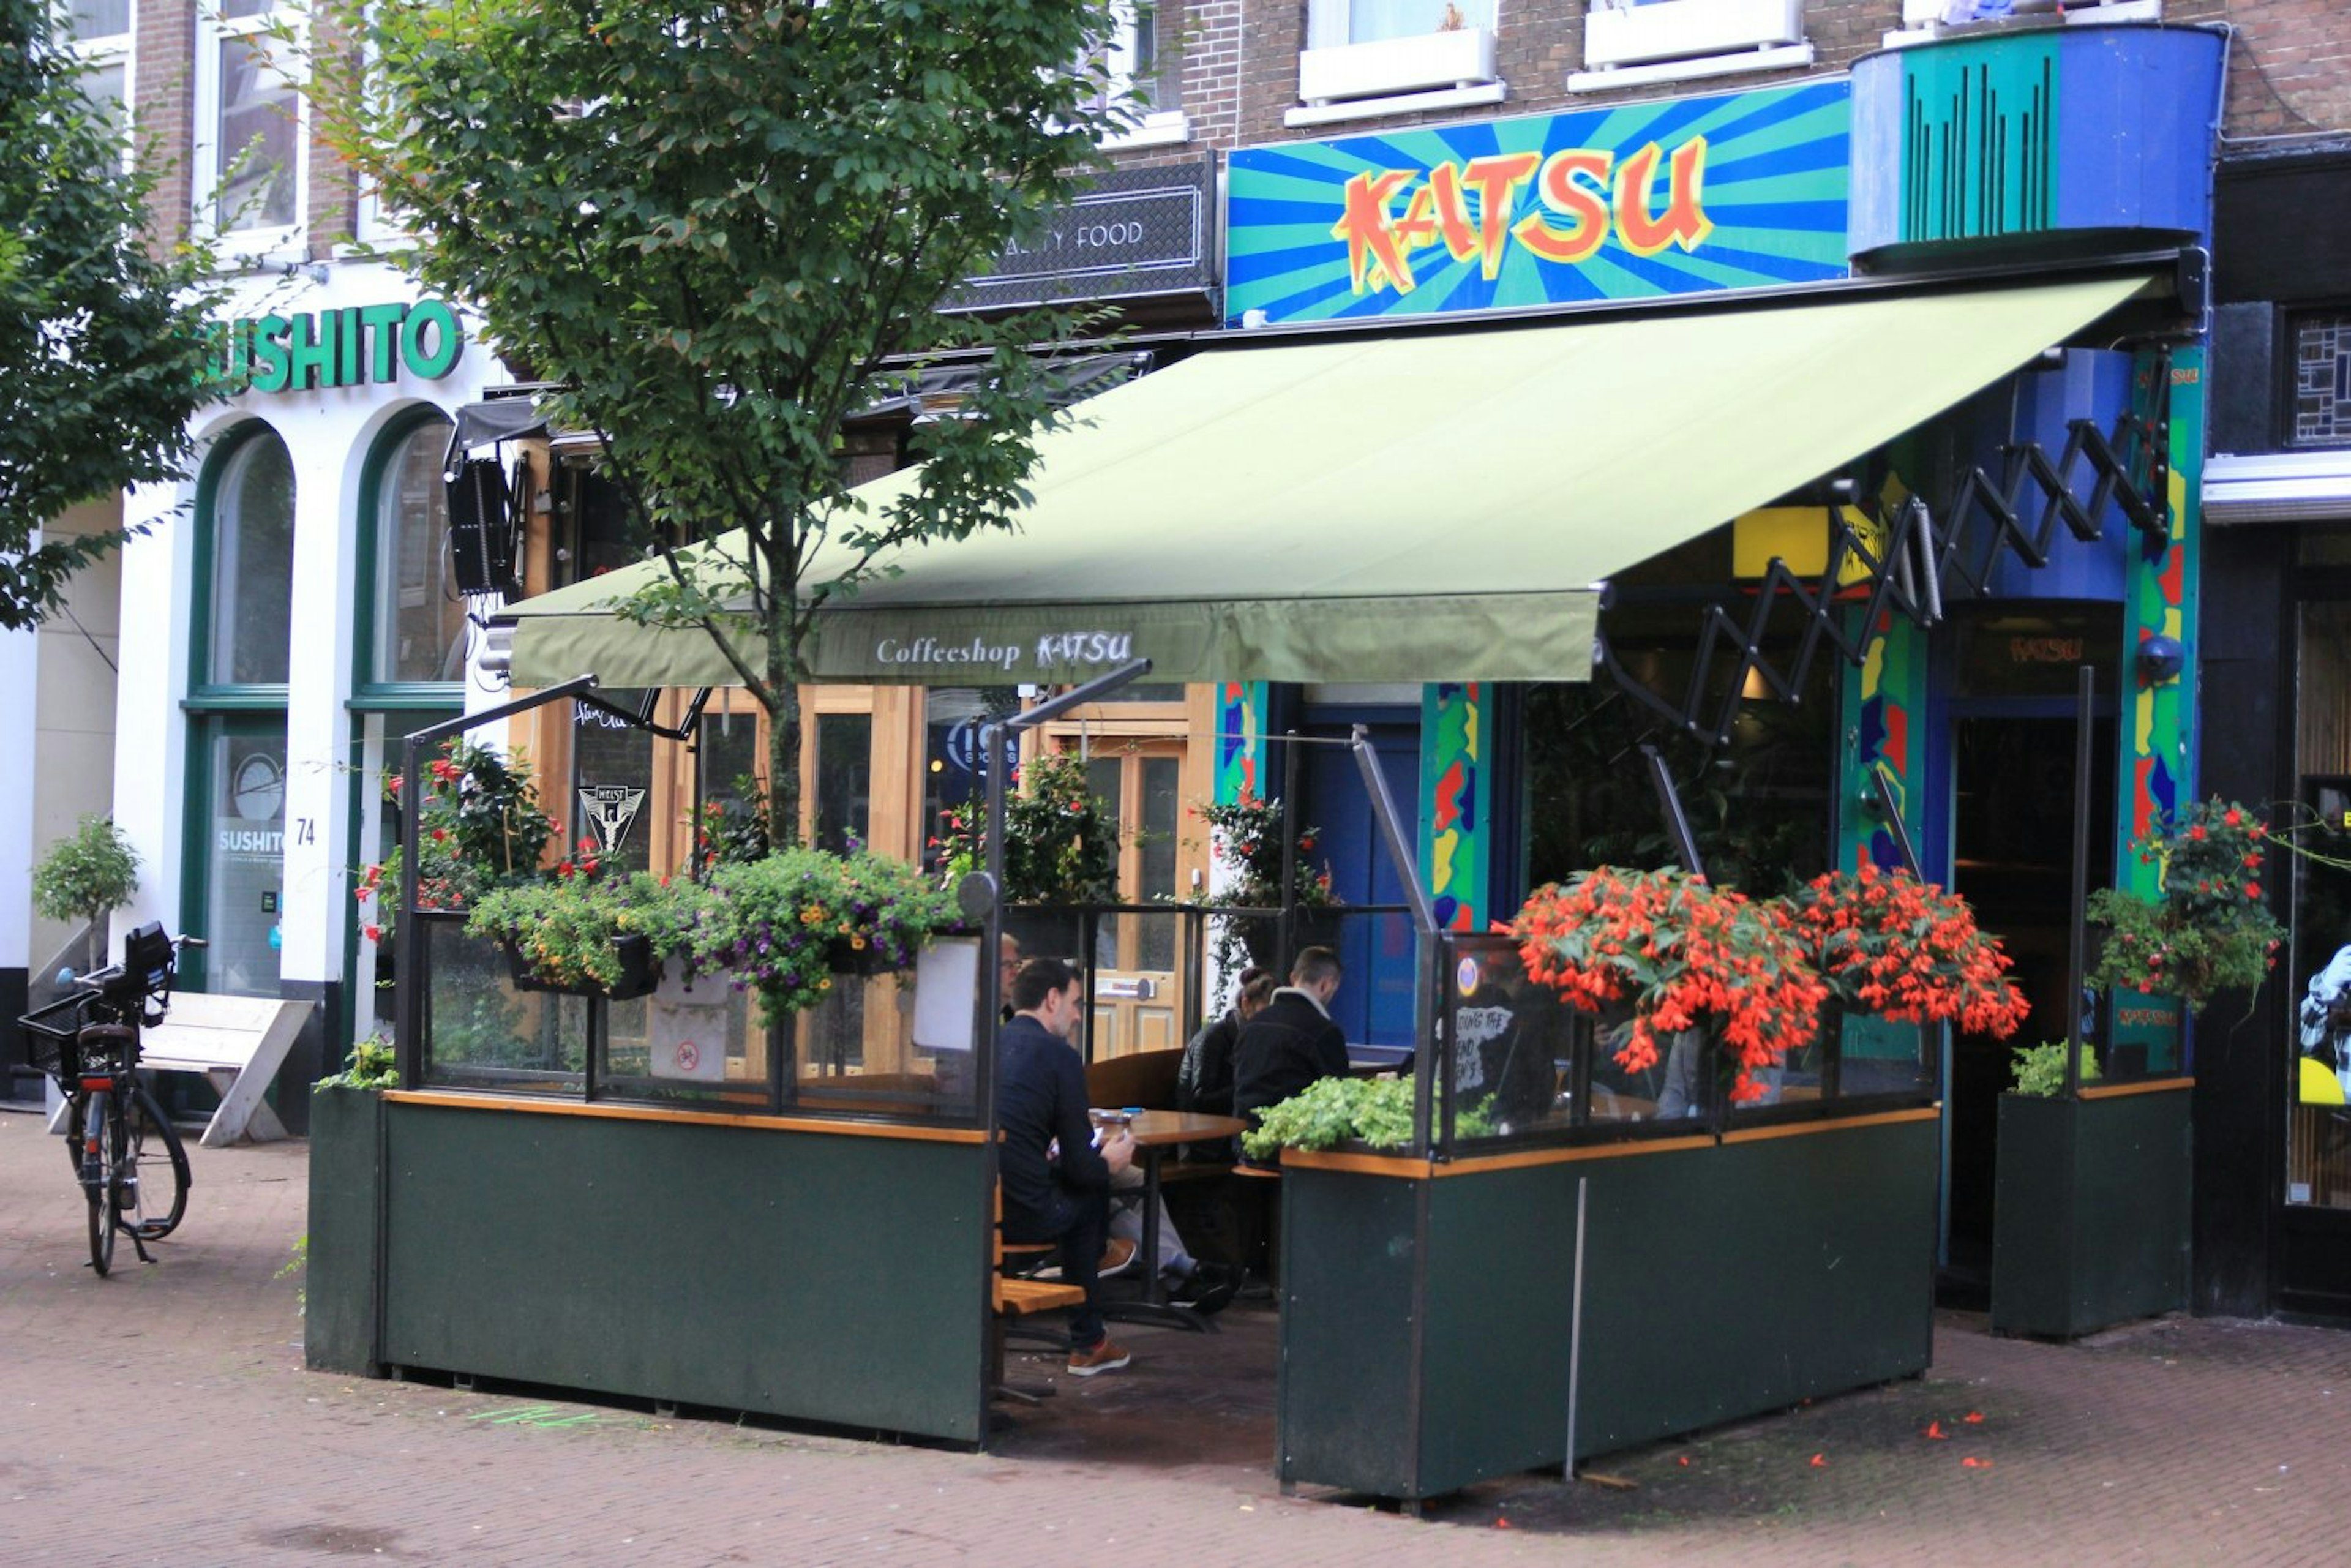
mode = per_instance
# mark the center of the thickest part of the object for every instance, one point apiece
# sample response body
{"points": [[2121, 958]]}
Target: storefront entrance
{"points": [[2013, 783]]}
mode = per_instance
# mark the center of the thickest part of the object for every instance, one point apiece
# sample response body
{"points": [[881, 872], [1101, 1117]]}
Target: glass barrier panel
{"points": [[854, 1055], [1877, 1056], [481, 1031], [692, 1042], [1507, 1061], [2138, 1036]]}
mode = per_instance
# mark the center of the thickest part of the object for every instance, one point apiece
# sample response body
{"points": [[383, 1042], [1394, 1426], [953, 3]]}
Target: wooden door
{"points": [[1140, 959]]}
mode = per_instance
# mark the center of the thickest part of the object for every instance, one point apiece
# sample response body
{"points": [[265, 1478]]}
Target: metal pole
{"points": [[1286, 926], [1676, 823], [1575, 1323], [1375, 785], [1880, 782], [2077, 936]]}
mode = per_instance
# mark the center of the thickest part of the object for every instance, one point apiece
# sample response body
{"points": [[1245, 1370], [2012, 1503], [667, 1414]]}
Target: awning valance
{"points": [[1420, 508]]}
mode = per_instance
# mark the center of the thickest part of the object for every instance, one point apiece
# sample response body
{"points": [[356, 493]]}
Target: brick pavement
{"points": [[163, 1415]]}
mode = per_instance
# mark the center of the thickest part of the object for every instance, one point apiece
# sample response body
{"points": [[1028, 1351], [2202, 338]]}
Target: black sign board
{"points": [[1135, 231]]}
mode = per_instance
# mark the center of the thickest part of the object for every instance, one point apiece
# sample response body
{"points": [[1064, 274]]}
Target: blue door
{"points": [[1374, 1004]]}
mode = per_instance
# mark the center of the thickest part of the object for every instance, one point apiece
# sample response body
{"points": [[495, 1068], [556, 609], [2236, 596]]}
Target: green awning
{"points": [[1426, 506]]}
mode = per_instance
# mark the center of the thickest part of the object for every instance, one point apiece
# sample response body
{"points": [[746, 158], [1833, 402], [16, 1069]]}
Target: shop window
{"points": [[240, 804], [1759, 808], [417, 631], [844, 779], [250, 575], [611, 786], [250, 142], [595, 534], [1366, 51], [955, 778], [1629, 41], [2322, 380], [2318, 1126]]}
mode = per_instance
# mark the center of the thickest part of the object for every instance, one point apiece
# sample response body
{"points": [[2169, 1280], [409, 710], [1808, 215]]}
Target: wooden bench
{"points": [[237, 1042], [1143, 1078]]}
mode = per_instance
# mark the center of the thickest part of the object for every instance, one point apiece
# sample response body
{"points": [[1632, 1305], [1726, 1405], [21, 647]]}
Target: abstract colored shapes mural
{"points": [[1878, 704], [1455, 795], [1728, 191], [1240, 740]]}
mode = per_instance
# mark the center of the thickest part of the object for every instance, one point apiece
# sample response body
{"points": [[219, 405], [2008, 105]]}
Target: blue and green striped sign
{"points": [[1734, 191]]}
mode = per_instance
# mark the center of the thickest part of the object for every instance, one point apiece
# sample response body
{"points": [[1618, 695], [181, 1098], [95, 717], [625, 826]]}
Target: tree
{"points": [[723, 230], [88, 877], [103, 356]]}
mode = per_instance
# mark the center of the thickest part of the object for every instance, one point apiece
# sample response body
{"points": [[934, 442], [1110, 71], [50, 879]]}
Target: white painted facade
{"points": [[329, 434]]}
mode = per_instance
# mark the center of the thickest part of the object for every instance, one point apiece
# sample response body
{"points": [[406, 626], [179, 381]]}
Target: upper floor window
{"points": [[2322, 380], [250, 578], [250, 155], [99, 31], [418, 629], [1626, 42], [1369, 51], [1331, 23], [1137, 64]]}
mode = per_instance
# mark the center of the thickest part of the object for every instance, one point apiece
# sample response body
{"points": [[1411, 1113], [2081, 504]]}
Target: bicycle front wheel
{"points": [[102, 1153], [153, 1193]]}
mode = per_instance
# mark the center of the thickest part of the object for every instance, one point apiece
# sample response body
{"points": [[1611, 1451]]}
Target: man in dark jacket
{"points": [[1292, 1042], [1059, 1195]]}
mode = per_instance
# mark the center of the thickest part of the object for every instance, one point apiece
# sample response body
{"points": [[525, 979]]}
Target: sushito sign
{"points": [[346, 348], [1698, 194]]}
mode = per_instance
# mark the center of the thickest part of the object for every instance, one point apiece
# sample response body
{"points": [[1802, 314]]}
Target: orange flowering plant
{"points": [[1684, 954], [1888, 944]]}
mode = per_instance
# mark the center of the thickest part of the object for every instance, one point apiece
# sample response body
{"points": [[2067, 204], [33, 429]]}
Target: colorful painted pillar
{"points": [[1240, 740], [2156, 736], [1882, 730], [1456, 793]]}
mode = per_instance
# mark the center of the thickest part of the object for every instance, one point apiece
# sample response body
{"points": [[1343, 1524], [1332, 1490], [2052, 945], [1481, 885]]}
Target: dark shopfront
{"points": [[2274, 1189]]}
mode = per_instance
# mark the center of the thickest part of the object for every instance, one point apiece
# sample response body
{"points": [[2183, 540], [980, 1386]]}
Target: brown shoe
{"points": [[1117, 1256], [1107, 1356]]}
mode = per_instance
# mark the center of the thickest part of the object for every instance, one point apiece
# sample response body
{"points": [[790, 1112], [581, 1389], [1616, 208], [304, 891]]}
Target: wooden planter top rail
{"points": [[904, 1131], [1407, 1168]]}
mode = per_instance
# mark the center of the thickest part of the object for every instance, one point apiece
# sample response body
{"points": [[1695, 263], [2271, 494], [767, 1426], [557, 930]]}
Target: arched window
{"points": [[417, 624], [252, 576]]}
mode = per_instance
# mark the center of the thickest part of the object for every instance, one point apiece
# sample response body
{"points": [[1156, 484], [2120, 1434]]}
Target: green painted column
{"points": [[2156, 734], [1456, 793]]}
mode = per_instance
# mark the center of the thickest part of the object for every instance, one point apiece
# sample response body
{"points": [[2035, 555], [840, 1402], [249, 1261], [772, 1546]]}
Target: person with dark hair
{"points": [[1204, 1081], [1056, 1183], [1292, 1042]]}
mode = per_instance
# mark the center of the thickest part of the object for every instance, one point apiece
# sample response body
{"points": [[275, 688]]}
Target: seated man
{"points": [[1291, 1043], [1040, 1102]]}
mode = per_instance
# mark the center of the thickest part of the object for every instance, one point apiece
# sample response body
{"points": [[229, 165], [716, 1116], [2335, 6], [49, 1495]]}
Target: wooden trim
{"points": [[1831, 1125], [1404, 1168], [2151, 1086], [904, 1132]]}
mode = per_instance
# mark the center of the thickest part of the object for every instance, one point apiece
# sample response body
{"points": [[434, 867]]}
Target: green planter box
{"points": [[340, 1316], [2090, 1217], [1429, 1313]]}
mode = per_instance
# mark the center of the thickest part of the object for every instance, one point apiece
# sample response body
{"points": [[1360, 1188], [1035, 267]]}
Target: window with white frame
{"points": [[1365, 49], [1138, 65], [101, 31], [1668, 38], [250, 147]]}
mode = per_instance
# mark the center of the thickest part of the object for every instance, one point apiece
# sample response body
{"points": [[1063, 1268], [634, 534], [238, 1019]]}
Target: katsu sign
{"points": [[1728, 192]]}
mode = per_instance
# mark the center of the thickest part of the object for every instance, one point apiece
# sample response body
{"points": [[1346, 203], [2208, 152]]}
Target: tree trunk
{"points": [[782, 701]]}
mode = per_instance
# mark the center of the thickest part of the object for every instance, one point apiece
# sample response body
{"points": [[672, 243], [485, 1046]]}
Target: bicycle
{"points": [[89, 1041]]}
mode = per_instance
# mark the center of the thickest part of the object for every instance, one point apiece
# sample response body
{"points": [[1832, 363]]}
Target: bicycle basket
{"points": [[53, 1033]]}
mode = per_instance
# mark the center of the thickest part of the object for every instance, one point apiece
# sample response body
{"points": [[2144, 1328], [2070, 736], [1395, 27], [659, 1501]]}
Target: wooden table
{"points": [[1154, 1132]]}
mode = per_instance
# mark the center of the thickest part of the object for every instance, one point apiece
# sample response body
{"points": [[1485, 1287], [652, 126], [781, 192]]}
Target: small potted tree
{"points": [[88, 877]]}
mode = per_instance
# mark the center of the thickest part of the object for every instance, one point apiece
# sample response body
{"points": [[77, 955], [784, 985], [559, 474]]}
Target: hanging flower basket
{"points": [[634, 969]]}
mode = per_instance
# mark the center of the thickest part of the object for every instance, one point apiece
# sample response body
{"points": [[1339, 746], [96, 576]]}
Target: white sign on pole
{"points": [[687, 1026], [946, 992]]}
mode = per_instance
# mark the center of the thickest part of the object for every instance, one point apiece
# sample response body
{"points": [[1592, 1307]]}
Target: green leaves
{"points": [[103, 356], [1377, 1112]]}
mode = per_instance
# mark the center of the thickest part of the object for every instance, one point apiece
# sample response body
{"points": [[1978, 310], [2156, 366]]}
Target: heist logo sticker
{"points": [[607, 811]]}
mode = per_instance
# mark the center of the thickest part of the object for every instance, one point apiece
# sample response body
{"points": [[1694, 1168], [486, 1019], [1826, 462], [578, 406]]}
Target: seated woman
{"points": [[1204, 1082]]}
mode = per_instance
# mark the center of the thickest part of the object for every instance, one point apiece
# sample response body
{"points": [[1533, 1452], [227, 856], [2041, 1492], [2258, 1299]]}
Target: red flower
{"points": [[372, 933]]}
